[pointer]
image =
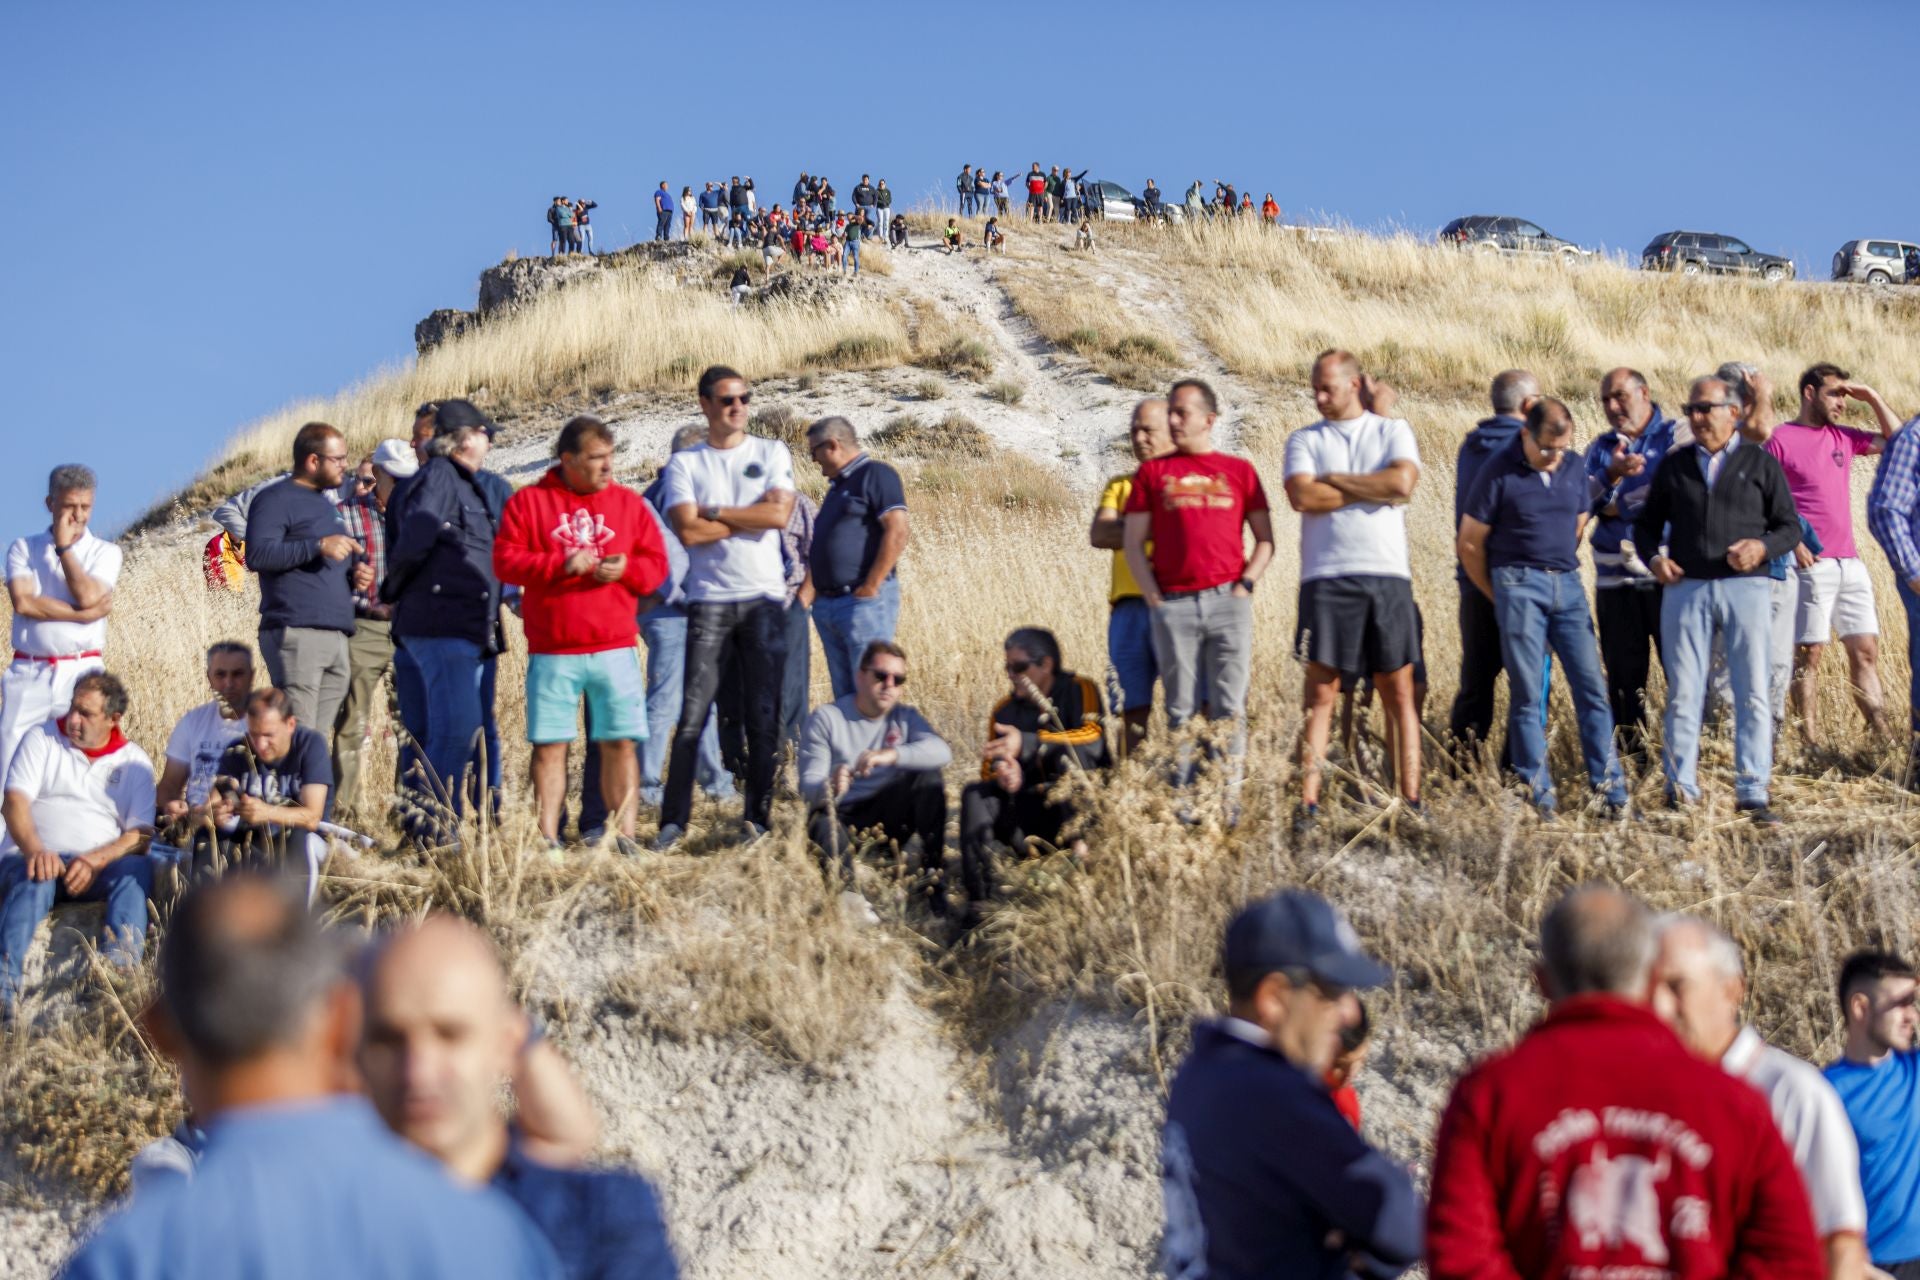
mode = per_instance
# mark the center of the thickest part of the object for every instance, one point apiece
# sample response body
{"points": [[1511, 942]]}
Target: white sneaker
{"points": [[857, 910]]}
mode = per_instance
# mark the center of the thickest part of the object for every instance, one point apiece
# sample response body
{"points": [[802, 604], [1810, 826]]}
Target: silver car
{"points": [[1873, 261], [1117, 204]]}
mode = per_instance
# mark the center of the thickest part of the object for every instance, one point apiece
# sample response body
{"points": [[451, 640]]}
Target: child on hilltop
{"points": [[993, 237], [950, 237], [1084, 238]]}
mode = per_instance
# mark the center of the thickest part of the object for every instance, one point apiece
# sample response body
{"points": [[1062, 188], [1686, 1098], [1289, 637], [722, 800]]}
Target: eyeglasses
{"points": [[894, 678], [727, 402], [1018, 668], [817, 446], [1706, 406], [363, 482], [331, 457]]}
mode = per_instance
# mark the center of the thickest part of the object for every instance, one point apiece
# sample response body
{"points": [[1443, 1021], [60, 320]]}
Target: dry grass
{"points": [[1069, 312]]}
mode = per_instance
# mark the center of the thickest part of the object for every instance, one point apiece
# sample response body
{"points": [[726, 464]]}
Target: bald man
{"points": [[1129, 621], [1699, 983], [441, 1037]]}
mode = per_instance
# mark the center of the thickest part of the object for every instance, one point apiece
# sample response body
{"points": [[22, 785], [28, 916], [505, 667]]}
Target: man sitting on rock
{"points": [[274, 789], [200, 738], [79, 813]]}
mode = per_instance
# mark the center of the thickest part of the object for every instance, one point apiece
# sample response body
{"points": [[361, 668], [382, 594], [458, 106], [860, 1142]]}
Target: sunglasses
{"points": [[364, 482], [1018, 668], [894, 678], [727, 402], [1705, 406]]}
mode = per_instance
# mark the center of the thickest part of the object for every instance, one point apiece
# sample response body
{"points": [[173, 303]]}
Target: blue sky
{"points": [[214, 210]]}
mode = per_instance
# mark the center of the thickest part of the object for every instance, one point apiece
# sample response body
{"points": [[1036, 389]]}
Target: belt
{"points": [[64, 657], [1222, 589]]}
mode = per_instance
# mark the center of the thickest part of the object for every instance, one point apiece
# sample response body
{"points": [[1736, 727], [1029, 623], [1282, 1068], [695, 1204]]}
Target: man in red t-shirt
{"points": [[1599, 1146], [587, 552], [1193, 505]]}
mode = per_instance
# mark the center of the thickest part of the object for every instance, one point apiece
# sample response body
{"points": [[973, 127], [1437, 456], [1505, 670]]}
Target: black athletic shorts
{"points": [[1365, 624]]}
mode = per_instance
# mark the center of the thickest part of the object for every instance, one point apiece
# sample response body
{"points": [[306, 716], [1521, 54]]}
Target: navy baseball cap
{"points": [[1295, 929], [455, 414]]}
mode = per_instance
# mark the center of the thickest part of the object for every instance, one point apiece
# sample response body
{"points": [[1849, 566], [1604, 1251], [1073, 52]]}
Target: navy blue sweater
{"points": [[1259, 1170], [299, 587], [604, 1224]]}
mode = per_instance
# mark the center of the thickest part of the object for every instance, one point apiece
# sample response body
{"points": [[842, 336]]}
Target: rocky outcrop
{"points": [[517, 281], [443, 326]]}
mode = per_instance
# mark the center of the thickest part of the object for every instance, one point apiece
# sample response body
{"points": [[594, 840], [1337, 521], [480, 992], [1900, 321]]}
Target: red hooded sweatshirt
{"points": [[1598, 1148], [547, 522]]}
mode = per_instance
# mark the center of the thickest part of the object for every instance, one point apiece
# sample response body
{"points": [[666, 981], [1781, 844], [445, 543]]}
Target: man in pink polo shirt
{"points": [[1836, 594]]}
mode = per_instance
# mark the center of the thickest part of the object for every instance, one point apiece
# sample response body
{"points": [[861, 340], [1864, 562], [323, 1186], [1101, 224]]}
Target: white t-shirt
{"points": [[198, 741], [80, 804], [1361, 537], [33, 558], [740, 567], [1813, 1122]]}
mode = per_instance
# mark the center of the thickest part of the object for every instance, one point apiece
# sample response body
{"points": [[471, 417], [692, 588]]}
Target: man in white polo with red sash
{"points": [[61, 583]]}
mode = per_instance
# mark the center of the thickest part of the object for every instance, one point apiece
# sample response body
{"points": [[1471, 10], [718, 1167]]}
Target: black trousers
{"points": [[746, 642], [1628, 619], [1480, 668], [989, 815], [913, 803]]}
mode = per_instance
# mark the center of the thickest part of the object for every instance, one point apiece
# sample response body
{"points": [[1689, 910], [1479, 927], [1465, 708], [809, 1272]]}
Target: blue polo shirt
{"points": [[847, 532], [1883, 1103], [604, 1224], [1534, 515], [313, 1191]]}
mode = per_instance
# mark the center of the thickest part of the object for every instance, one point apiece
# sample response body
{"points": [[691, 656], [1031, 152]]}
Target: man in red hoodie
{"points": [[586, 553], [1598, 1146]]}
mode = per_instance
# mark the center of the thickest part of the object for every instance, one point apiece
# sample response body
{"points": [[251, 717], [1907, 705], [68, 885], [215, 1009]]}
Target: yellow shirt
{"points": [[1114, 498]]}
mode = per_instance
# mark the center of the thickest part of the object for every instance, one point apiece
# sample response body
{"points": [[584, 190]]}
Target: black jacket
{"points": [[1048, 746], [440, 563], [1749, 500]]}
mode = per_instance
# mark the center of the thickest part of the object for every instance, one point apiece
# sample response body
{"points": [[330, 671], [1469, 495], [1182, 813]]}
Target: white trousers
{"points": [[32, 693]]}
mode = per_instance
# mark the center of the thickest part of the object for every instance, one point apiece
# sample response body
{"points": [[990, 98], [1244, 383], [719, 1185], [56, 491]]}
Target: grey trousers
{"points": [[369, 654], [313, 667], [1203, 642]]}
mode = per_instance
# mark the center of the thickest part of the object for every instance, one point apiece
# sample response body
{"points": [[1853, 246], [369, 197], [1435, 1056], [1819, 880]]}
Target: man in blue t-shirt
{"points": [[858, 538], [1519, 543], [1878, 1079], [1261, 1174]]}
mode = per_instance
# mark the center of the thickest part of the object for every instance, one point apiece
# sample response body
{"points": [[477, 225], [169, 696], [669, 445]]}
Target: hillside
{"points": [[818, 1098]]}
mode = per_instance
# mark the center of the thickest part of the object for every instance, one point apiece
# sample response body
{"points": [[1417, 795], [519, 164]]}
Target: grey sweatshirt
{"points": [[837, 733]]}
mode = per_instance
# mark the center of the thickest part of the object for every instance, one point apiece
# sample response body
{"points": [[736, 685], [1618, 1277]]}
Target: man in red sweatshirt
{"points": [[586, 553], [1598, 1146]]}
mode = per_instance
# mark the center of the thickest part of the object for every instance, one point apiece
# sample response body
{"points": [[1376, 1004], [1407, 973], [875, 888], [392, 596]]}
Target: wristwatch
{"points": [[709, 513], [1247, 585]]}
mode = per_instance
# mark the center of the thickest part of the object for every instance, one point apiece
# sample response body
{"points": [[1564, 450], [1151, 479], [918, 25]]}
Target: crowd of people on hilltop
{"points": [[414, 567]]}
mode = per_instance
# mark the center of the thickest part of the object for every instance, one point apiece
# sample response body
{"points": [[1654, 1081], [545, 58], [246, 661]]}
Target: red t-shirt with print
{"points": [[1198, 503]]}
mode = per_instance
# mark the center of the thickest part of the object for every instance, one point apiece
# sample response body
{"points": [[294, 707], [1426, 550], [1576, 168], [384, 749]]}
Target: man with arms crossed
{"points": [[1349, 476], [1878, 1078]]}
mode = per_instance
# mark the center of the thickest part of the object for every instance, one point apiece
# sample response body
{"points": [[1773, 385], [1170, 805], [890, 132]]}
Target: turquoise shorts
{"points": [[610, 681]]}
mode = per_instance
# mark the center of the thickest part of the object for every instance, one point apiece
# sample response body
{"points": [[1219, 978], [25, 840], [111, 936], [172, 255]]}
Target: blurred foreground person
{"points": [[1598, 1146], [1699, 983], [1878, 1079], [1261, 1173], [440, 1040], [298, 1179]]}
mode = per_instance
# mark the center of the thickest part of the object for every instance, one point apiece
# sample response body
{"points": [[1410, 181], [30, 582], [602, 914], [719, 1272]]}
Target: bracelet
{"points": [[60, 551]]}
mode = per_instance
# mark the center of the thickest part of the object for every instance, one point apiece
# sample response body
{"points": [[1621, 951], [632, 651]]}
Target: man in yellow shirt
{"points": [[1129, 631]]}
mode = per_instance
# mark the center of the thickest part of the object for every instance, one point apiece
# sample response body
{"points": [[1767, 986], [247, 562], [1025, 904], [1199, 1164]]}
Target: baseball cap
{"points": [[1295, 929], [396, 458], [454, 414]]}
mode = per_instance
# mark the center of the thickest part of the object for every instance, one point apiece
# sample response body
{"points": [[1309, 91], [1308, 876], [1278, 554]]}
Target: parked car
{"points": [[1693, 253], [1505, 235], [1873, 261], [1117, 204]]}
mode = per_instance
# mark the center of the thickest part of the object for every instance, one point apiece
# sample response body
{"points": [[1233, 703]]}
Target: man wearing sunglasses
{"points": [[728, 500], [1260, 1173], [867, 760], [1718, 510], [1519, 543]]}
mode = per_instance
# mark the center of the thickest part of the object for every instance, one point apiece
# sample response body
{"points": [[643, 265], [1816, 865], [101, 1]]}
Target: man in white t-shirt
{"points": [[203, 734], [79, 811], [728, 500], [1699, 983], [61, 584], [1349, 476]]}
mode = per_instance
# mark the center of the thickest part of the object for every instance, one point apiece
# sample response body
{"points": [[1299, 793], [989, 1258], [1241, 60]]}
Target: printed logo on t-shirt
{"points": [[1194, 492], [582, 531], [755, 471], [1614, 1199]]}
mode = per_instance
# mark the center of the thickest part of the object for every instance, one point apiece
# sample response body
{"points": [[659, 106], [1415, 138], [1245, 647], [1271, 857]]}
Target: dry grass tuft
{"points": [[1071, 312]]}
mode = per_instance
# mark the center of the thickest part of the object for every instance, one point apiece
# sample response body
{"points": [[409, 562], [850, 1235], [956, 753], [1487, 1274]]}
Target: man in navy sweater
{"points": [[1261, 1174], [309, 568]]}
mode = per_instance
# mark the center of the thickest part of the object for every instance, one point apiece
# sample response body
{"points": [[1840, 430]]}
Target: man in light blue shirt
{"points": [[1878, 1079], [297, 1180]]}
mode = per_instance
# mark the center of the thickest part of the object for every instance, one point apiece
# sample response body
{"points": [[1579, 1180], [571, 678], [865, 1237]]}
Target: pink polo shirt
{"points": [[1819, 465]]}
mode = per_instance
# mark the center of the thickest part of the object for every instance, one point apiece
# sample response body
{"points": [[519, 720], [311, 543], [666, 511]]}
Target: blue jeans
{"points": [[1912, 602], [454, 673], [966, 203], [1741, 610], [124, 884], [663, 224], [1130, 654], [852, 262], [410, 693], [1541, 610], [848, 624], [665, 632]]}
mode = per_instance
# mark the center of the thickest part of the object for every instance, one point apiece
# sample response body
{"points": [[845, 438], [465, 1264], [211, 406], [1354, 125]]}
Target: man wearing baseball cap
{"points": [[1261, 1174]]}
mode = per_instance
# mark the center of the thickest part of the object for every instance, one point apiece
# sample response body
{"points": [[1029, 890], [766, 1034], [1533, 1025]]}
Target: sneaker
{"points": [[857, 910], [669, 836], [1760, 815], [1678, 803], [1415, 809], [593, 835], [625, 846], [1620, 811], [1306, 819], [1547, 813]]}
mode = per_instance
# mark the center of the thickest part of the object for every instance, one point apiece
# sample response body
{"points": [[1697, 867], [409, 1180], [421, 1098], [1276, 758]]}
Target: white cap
{"points": [[396, 458]]}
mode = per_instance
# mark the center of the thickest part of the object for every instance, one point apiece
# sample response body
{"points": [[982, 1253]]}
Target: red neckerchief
{"points": [[115, 741]]}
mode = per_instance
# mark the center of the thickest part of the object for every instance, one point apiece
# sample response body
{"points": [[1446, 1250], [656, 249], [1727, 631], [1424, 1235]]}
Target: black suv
{"points": [[1694, 252], [1508, 235]]}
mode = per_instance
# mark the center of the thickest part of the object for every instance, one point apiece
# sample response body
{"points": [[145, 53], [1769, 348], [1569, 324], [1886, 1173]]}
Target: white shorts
{"points": [[1836, 598]]}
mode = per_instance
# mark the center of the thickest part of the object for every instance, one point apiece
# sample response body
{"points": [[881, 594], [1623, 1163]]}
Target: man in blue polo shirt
{"points": [[1519, 543], [858, 538], [1261, 1174], [1878, 1079]]}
